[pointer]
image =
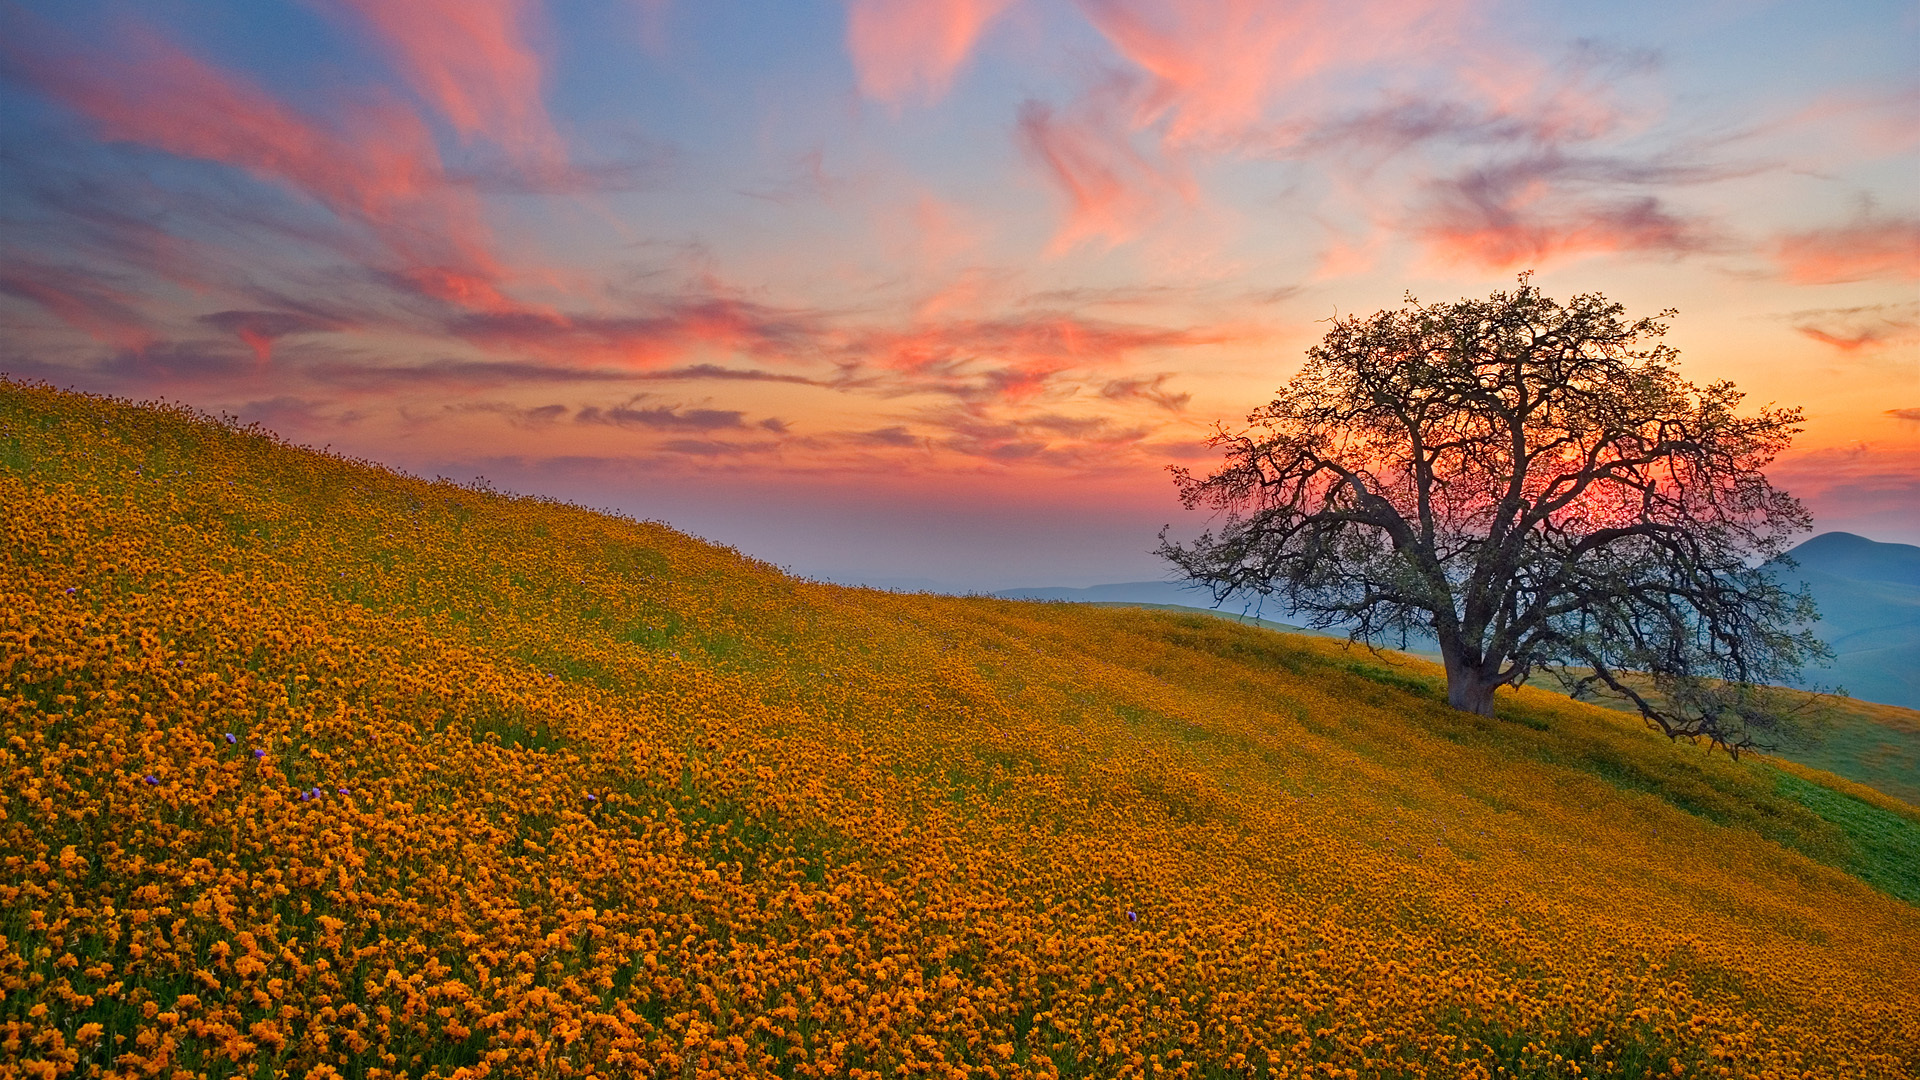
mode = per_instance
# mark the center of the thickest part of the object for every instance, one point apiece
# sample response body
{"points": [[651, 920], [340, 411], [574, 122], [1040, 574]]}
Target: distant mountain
{"points": [[894, 584], [1868, 593], [1154, 594], [1129, 592]]}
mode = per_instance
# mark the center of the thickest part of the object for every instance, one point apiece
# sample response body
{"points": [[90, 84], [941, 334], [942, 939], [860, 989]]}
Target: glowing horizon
{"points": [[935, 288]]}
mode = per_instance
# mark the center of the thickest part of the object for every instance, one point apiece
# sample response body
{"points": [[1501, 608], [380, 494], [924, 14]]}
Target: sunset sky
{"points": [[935, 289]]}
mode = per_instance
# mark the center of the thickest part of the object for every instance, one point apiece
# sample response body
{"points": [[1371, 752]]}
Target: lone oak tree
{"points": [[1532, 485]]}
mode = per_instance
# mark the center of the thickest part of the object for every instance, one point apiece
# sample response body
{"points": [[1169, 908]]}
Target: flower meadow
{"points": [[315, 770]]}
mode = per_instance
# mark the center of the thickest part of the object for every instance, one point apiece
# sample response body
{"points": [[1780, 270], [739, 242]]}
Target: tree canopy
{"points": [[1533, 486]]}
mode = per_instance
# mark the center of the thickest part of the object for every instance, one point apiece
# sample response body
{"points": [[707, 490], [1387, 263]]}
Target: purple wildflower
{"points": [[342, 791], [230, 739], [1131, 917], [259, 753], [151, 779]]}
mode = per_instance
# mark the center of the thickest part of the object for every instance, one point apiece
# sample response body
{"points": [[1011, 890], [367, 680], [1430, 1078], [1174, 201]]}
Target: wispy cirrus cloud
{"points": [[1859, 482], [905, 50], [1015, 357], [536, 416], [478, 64], [1864, 327], [1532, 102], [1149, 388], [1114, 190], [260, 329], [1217, 68], [675, 327], [1050, 438], [79, 299], [1873, 246], [1345, 88], [376, 166], [474, 62], [896, 436], [662, 417], [1530, 210], [717, 448]]}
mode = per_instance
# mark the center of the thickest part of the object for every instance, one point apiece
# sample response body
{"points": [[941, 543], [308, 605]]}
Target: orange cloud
{"points": [[1011, 358], [471, 60], [1870, 248], [1856, 328], [1113, 190], [380, 170], [1878, 124], [905, 49], [1218, 65]]}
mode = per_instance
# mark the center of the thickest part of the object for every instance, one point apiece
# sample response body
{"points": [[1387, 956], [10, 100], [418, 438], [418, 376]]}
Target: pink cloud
{"points": [[1857, 328], [258, 330], [1012, 359], [1364, 81], [1217, 66], [104, 313], [1113, 190], [1877, 124], [471, 59], [1008, 358], [379, 168], [1875, 486], [1534, 210], [1869, 248], [674, 332], [908, 49], [1507, 238]]}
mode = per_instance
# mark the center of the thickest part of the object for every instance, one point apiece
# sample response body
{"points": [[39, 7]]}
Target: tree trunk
{"points": [[1467, 689]]}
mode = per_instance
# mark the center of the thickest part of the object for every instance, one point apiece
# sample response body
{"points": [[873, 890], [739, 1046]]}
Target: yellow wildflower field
{"points": [[315, 770]]}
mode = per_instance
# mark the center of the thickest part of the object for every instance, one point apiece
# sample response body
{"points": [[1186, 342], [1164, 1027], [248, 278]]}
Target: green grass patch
{"points": [[1885, 847]]}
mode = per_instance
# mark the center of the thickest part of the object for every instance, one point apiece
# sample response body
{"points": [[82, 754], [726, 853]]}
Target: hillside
{"points": [[312, 769], [1865, 741]]}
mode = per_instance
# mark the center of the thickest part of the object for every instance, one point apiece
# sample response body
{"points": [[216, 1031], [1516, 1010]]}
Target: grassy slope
{"points": [[1868, 742], [1865, 741], [593, 794]]}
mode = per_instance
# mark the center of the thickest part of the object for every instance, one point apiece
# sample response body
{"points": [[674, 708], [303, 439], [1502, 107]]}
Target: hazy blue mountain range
{"points": [[1869, 598], [1128, 592], [1868, 593]]}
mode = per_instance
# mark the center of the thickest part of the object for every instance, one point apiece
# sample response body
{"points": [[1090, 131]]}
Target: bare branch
{"points": [[1532, 484]]}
